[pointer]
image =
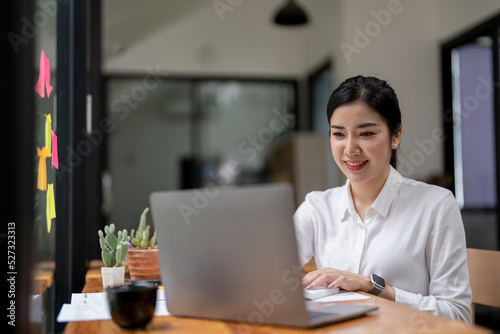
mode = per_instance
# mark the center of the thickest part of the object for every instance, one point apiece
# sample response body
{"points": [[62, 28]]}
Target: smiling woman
{"points": [[377, 95], [361, 144], [382, 233]]}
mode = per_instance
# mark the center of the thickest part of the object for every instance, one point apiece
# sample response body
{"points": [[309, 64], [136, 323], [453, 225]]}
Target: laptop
{"points": [[231, 254]]}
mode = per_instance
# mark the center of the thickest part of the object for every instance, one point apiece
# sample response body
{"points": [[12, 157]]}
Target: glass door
{"points": [[473, 125], [187, 133], [471, 108], [46, 165]]}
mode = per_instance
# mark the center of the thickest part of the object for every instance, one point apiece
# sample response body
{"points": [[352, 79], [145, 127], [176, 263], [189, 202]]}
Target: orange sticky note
{"points": [[48, 134], [55, 157], [44, 76], [43, 153], [51, 206]]}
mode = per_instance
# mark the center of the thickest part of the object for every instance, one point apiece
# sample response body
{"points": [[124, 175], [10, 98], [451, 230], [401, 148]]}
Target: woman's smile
{"points": [[355, 165]]}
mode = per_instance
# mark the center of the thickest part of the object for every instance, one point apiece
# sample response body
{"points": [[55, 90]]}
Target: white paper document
{"points": [[94, 306], [319, 293]]}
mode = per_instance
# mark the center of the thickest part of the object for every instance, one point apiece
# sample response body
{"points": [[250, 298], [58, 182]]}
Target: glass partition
{"points": [[471, 104], [473, 125], [240, 122], [167, 131], [45, 160]]}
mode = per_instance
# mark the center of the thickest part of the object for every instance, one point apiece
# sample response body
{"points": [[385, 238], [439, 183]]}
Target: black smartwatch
{"points": [[378, 285]]}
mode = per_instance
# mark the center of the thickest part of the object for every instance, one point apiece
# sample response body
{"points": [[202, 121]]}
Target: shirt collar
{"points": [[381, 204], [346, 205], [343, 204]]}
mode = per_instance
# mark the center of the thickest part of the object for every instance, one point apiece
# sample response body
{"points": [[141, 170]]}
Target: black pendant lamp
{"points": [[290, 15]]}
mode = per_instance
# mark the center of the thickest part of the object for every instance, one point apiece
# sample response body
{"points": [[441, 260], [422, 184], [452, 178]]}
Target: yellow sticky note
{"points": [[51, 206], [48, 132]]}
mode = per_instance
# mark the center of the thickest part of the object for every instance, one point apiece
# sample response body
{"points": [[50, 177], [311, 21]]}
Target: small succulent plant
{"points": [[114, 249], [140, 239]]}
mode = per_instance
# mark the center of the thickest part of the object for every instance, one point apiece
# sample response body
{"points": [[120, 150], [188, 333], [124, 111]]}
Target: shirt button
{"points": [[356, 254]]}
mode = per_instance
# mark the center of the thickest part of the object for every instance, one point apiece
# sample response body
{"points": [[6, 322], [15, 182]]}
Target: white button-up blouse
{"points": [[412, 236]]}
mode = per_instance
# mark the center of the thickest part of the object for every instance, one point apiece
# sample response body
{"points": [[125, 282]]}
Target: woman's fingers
{"points": [[332, 278], [318, 283], [310, 278], [339, 283], [319, 278]]}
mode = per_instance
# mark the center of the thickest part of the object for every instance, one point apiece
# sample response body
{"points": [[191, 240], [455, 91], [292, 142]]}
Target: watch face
{"points": [[379, 280]]}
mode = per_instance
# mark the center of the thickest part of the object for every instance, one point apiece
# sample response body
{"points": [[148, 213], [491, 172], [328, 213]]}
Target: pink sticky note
{"points": [[44, 77], [55, 157]]}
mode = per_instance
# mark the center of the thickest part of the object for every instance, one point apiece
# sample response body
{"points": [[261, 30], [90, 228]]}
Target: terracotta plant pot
{"points": [[143, 264]]}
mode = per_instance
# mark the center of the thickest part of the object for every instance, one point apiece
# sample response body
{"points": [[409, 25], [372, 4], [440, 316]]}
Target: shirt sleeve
{"points": [[304, 232], [449, 288]]}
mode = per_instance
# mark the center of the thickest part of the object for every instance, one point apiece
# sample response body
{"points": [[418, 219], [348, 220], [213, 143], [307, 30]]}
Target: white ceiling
{"points": [[126, 22]]}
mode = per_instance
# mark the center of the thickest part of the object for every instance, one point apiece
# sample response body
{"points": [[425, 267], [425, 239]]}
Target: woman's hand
{"points": [[334, 278]]}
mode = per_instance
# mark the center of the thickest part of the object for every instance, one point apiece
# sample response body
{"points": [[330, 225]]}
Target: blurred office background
{"points": [[222, 67], [228, 65]]}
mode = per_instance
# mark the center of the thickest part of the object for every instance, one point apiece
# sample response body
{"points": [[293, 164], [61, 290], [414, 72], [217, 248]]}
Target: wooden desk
{"points": [[389, 318], [42, 277]]}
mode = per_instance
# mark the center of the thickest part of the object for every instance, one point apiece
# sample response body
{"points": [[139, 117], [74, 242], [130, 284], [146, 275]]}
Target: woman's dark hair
{"points": [[377, 94]]}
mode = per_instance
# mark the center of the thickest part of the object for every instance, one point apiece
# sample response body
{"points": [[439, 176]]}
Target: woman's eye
{"points": [[337, 134], [366, 134]]}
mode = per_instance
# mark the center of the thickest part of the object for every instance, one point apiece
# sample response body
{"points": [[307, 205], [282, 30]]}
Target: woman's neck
{"points": [[364, 194]]}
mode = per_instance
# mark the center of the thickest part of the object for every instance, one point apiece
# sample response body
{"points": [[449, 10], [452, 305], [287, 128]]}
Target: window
{"points": [[471, 105], [173, 133]]}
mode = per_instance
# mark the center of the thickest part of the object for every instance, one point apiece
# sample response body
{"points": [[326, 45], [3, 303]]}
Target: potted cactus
{"points": [[114, 251], [143, 262]]}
